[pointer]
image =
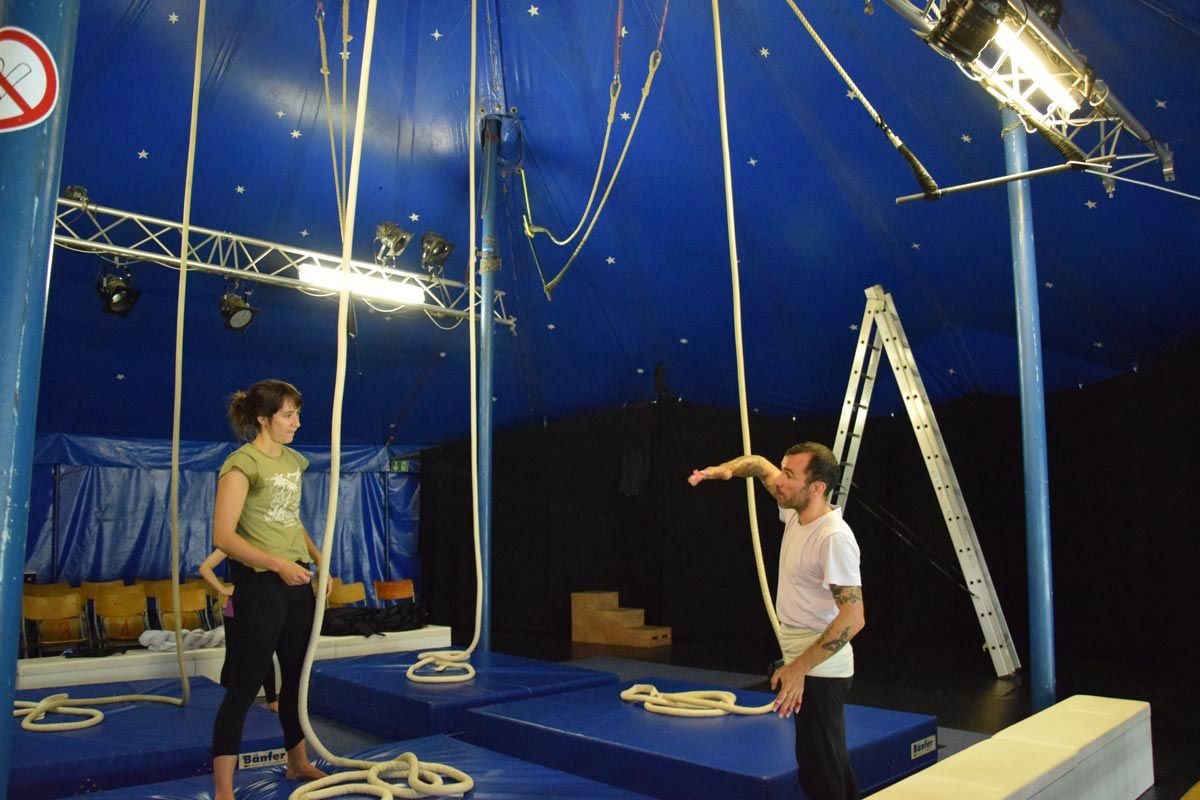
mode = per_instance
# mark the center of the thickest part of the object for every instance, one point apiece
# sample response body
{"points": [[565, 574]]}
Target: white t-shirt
{"points": [[812, 558]]}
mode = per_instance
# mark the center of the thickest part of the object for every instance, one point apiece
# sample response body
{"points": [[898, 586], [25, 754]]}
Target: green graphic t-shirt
{"points": [[271, 516]]}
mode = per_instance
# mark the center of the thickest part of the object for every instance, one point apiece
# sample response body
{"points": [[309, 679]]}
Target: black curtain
{"points": [[601, 501]]}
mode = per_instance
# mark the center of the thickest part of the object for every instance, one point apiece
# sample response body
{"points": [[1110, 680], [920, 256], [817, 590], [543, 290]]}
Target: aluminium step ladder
{"points": [[881, 318]]}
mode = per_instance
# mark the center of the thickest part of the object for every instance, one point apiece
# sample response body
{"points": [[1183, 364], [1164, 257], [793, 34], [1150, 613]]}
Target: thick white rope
{"points": [[31, 712], [699, 703], [416, 774], [458, 660], [737, 323]]}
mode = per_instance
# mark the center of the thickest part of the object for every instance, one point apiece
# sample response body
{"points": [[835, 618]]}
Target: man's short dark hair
{"points": [[823, 466]]}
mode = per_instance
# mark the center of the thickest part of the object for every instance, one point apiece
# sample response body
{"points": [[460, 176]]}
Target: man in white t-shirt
{"points": [[820, 609]]}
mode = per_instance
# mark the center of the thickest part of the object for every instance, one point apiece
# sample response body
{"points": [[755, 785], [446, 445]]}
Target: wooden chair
{"points": [[47, 589], [193, 604], [214, 600], [91, 589], [122, 615], [394, 590], [58, 621], [347, 593]]}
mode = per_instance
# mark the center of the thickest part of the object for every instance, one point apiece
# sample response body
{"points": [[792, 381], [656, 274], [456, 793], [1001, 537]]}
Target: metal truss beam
{"points": [[83, 226]]}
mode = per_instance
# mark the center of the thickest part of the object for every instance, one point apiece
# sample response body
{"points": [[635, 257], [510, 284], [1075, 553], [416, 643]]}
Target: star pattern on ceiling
{"points": [[916, 245], [753, 162], [625, 115], [533, 11], [952, 371], [683, 341], [641, 371], [442, 354], [143, 154], [966, 137], [854, 326], [764, 52], [1049, 284], [852, 94], [1160, 103], [624, 31], [550, 326], [610, 260], [280, 114], [415, 217], [1090, 204], [240, 189], [120, 376], [1099, 345], [304, 233], [296, 134], [345, 55], [173, 18], [437, 35]]}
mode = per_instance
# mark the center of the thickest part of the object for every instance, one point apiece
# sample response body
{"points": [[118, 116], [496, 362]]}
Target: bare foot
{"points": [[274, 706], [304, 772]]}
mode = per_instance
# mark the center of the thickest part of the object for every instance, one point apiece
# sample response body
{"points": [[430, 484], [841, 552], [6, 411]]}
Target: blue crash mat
{"points": [[596, 734], [135, 743], [371, 693], [497, 777]]}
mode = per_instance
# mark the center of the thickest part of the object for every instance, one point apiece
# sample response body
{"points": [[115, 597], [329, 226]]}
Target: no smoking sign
{"points": [[28, 80]]}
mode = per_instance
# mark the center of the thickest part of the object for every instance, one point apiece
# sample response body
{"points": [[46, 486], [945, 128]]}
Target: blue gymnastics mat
{"points": [[373, 694], [497, 777], [596, 734], [135, 743]]}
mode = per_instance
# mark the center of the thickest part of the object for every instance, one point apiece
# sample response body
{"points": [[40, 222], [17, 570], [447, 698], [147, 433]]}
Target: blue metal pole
{"points": [[1033, 419], [489, 264], [32, 161]]}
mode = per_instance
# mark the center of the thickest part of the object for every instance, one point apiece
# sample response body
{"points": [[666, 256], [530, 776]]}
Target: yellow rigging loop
{"points": [[614, 92], [651, 69]]}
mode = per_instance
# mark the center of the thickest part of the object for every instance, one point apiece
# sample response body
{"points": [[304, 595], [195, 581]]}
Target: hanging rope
{"points": [[337, 184], [731, 229], [651, 70], [458, 660], [422, 778], [928, 184]]}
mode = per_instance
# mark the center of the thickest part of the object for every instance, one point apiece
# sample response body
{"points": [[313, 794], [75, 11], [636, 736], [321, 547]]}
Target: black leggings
{"points": [[268, 685], [821, 755], [272, 617]]}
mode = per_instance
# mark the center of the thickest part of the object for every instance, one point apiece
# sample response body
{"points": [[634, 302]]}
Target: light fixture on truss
{"points": [[115, 287], [1012, 49], [235, 307]]}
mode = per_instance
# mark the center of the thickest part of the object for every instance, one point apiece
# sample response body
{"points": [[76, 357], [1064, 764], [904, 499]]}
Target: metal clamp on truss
{"points": [[1012, 49], [122, 235]]}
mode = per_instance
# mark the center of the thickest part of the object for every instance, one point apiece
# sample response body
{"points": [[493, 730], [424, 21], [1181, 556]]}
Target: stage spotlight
{"points": [[117, 292], [434, 252], [392, 239], [237, 311], [966, 27]]}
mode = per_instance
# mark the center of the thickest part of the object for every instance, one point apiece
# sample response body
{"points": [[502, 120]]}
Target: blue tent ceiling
{"points": [[814, 184]]}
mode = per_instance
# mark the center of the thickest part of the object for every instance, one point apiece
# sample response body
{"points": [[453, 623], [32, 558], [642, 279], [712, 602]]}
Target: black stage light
{"points": [[966, 27], [392, 239], [434, 252], [237, 312], [117, 292]]}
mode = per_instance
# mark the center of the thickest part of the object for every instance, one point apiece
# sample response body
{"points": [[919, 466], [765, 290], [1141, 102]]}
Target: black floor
{"points": [[957, 687]]}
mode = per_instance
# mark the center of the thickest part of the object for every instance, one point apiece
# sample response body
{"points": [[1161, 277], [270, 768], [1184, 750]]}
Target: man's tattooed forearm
{"points": [[838, 643]]}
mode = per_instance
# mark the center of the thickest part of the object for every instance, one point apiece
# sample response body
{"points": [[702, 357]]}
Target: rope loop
{"points": [[31, 712], [699, 703], [421, 779], [442, 660]]}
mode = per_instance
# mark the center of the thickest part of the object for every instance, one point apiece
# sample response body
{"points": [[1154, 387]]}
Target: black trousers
{"points": [[272, 618], [268, 684], [821, 755]]}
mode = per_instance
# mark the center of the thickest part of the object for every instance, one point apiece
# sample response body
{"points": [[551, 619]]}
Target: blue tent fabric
{"points": [[102, 510], [814, 180]]}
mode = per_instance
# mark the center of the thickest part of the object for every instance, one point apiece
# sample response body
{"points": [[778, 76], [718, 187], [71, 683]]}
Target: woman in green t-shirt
{"points": [[257, 524]]}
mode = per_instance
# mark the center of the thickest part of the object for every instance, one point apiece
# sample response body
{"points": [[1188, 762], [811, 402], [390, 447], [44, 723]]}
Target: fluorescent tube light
{"points": [[362, 285]]}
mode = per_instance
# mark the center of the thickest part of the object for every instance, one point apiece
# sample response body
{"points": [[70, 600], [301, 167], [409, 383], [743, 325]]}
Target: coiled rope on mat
{"points": [[32, 712], [699, 703], [709, 703], [421, 779]]}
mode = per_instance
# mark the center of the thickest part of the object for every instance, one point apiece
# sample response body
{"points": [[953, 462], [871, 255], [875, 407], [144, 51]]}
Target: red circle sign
{"points": [[28, 80]]}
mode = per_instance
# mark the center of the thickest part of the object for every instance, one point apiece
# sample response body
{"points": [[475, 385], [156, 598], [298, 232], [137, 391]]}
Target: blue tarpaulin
{"points": [[100, 509]]}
